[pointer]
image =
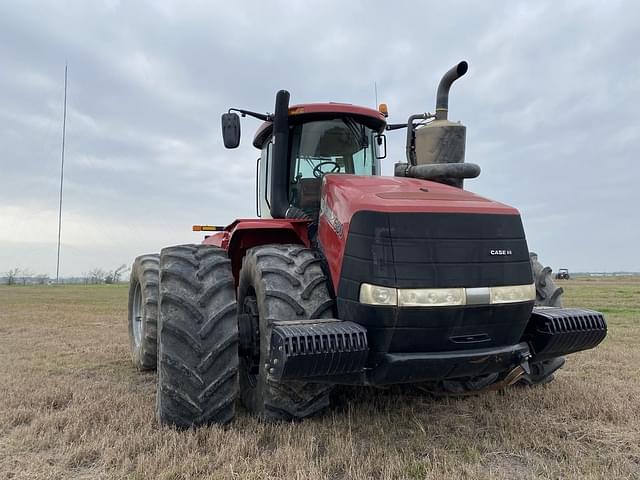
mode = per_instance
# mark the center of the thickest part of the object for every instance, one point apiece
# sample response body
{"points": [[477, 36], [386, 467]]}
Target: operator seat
{"points": [[308, 196]]}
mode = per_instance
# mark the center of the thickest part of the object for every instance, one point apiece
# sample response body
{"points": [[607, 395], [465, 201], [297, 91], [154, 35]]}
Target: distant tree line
{"points": [[98, 275], [24, 276]]}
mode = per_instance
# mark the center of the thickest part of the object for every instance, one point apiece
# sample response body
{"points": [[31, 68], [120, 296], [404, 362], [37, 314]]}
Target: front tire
{"points": [[143, 311], [279, 283], [198, 337], [548, 294]]}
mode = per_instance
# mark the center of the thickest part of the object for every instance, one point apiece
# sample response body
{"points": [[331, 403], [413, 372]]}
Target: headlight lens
{"points": [[431, 297], [375, 295], [516, 293], [444, 297]]}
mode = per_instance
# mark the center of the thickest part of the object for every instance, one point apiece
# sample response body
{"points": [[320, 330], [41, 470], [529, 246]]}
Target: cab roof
{"points": [[308, 112]]}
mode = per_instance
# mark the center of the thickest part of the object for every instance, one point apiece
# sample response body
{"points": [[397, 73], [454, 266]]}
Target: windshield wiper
{"points": [[358, 133]]}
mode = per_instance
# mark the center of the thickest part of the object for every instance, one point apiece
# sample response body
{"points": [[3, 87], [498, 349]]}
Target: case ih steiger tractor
{"points": [[349, 277]]}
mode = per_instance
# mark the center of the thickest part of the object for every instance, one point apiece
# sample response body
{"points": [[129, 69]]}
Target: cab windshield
{"points": [[332, 146], [337, 146]]}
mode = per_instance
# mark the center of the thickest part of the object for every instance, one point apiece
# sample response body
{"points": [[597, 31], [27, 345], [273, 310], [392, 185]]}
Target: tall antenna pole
{"points": [[64, 129], [375, 89]]}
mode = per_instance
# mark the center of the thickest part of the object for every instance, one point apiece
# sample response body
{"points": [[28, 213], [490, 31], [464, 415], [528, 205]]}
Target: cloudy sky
{"points": [[550, 103]]}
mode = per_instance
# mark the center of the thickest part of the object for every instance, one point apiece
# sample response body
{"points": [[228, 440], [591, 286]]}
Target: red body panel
{"points": [[334, 107], [346, 194], [246, 233], [307, 110]]}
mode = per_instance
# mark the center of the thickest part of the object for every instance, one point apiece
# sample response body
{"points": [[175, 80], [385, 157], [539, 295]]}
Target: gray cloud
{"points": [[549, 102]]}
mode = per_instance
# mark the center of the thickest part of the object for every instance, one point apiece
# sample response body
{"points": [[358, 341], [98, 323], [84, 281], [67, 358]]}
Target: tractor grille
{"points": [[554, 332], [433, 250]]}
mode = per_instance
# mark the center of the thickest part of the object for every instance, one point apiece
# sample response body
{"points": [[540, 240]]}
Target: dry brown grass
{"points": [[72, 406]]}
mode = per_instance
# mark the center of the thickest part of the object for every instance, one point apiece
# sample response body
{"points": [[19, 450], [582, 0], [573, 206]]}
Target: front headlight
{"points": [[375, 295], [431, 297], [445, 297], [516, 293]]}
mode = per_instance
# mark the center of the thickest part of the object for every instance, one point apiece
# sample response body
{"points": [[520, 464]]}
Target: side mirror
{"points": [[231, 130], [381, 146]]}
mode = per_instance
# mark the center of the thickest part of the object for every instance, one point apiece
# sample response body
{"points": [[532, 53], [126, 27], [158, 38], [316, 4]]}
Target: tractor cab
{"points": [[331, 138]]}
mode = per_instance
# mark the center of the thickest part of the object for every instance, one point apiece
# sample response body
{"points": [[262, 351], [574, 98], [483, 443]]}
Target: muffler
{"points": [[436, 150], [442, 141]]}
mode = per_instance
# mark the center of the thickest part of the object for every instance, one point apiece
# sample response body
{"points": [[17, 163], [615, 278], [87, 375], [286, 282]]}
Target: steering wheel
{"points": [[319, 173]]}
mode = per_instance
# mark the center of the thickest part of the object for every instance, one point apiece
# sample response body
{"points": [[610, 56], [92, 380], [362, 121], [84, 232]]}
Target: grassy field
{"points": [[72, 406]]}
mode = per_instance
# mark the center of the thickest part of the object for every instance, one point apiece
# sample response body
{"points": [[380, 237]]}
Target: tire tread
{"points": [[289, 284], [198, 337]]}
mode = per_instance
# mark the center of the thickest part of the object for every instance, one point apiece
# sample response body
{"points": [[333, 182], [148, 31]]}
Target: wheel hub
{"points": [[249, 333], [137, 313]]}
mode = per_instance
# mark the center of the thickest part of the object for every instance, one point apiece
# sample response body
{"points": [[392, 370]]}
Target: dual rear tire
{"points": [[203, 367], [143, 311], [198, 337]]}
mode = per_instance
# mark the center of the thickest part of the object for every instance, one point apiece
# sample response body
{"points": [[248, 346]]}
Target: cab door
{"points": [[263, 202]]}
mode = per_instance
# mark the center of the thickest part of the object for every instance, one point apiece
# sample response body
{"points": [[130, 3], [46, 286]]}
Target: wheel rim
{"points": [[137, 314], [252, 359]]}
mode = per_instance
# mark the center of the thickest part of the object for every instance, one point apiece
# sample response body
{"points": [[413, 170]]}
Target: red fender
{"points": [[244, 233]]}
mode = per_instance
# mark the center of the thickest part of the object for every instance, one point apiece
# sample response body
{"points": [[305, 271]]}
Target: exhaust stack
{"points": [[442, 141], [442, 97], [279, 171]]}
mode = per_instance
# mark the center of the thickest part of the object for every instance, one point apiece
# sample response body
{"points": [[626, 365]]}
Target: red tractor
{"points": [[349, 277]]}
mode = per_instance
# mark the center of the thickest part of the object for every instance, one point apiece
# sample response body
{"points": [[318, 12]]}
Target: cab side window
{"points": [[268, 155]]}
